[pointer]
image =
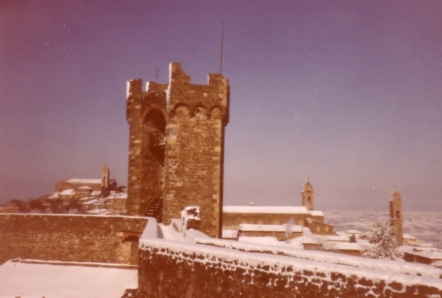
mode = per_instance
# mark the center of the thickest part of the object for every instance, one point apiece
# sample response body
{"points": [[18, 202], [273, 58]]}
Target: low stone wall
{"points": [[79, 238], [178, 269]]}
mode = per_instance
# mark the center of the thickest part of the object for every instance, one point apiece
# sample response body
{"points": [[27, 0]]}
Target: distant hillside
{"points": [[426, 226]]}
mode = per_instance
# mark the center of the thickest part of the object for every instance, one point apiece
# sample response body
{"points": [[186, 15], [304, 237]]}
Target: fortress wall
{"points": [[70, 237], [178, 269], [194, 148]]}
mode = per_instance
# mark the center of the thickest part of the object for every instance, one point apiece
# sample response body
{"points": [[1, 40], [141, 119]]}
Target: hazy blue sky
{"points": [[348, 93]]}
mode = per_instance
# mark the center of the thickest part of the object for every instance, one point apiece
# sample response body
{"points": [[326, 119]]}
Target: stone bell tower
{"points": [[105, 176], [176, 147], [308, 196], [396, 216]]}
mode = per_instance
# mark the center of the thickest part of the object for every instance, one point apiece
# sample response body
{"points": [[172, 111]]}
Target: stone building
{"points": [[176, 147], [9, 208], [273, 220], [396, 216], [80, 188]]}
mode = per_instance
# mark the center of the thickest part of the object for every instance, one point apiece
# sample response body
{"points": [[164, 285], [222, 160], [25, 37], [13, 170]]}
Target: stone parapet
{"points": [[177, 269], [76, 238]]}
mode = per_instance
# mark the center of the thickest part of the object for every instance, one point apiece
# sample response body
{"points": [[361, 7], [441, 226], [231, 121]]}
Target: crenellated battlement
{"points": [[186, 168]]}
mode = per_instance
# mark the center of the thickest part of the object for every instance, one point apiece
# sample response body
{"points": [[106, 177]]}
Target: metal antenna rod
{"points": [[222, 50], [156, 75]]}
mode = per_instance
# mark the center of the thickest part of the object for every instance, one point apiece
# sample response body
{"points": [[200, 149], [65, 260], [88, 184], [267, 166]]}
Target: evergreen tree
{"points": [[383, 244]]}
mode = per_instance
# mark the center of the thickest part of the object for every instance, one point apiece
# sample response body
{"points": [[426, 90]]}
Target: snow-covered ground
{"points": [[426, 226], [28, 280]]}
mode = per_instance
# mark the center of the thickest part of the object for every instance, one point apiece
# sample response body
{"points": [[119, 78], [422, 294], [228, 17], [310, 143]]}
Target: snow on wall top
{"points": [[316, 213], [234, 250], [269, 228], [90, 181], [267, 209], [208, 254], [230, 233], [408, 236]]}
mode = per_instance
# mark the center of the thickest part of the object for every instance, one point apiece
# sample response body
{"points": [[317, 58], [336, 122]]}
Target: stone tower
{"points": [[105, 176], [308, 196], [176, 147], [396, 215]]}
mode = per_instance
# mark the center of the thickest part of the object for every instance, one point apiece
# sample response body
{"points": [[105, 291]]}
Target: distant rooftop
{"points": [[86, 181], [269, 228], [268, 209]]}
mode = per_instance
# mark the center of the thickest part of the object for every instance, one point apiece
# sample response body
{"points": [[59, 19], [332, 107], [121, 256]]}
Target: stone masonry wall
{"points": [[69, 237], [134, 116], [192, 174], [197, 115], [146, 114], [233, 220], [176, 269]]}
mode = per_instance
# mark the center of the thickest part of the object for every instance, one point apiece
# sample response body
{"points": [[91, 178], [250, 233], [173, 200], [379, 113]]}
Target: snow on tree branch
{"points": [[383, 244]]}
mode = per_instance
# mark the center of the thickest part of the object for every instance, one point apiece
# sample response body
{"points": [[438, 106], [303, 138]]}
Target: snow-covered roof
{"points": [[337, 238], [437, 264], [120, 196], [84, 187], [316, 213], [429, 254], [95, 193], [306, 239], [67, 192], [91, 202], [56, 195], [353, 232], [266, 209], [45, 280], [88, 181], [230, 234], [269, 228], [260, 240], [408, 236], [426, 244], [346, 246]]}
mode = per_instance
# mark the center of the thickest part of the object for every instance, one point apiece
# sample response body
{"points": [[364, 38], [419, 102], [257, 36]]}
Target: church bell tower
{"points": [[105, 175], [308, 196], [396, 216]]}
